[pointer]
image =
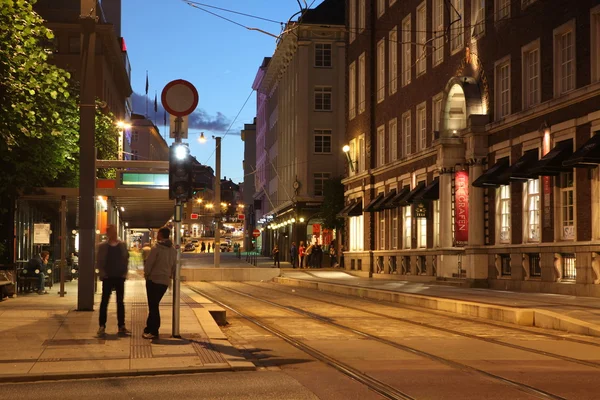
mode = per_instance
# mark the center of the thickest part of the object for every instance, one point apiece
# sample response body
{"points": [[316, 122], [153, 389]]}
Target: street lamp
{"points": [[122, 125], [202, 139], [346, 149], [217, 199]]}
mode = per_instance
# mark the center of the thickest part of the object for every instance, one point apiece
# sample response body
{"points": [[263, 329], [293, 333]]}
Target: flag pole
{"points": [[147, 93]]}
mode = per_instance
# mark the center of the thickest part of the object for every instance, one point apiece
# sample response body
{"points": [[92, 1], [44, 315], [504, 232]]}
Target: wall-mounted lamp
{"points": [[346, 150]]}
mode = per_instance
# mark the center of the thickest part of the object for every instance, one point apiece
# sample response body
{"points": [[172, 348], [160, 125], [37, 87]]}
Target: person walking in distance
{"points": [[301, 251], [159, 269], [112, 261], [293, 254], [276, 257]]}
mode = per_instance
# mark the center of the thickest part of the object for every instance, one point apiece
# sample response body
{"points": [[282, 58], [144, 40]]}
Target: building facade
{"points": [[300, 126], [112, 70], [472, 148], [248, 135], [145, 141]]}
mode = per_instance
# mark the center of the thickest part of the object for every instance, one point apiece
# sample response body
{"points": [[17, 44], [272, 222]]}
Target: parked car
{"points": [[189, 247], [225, 247]]}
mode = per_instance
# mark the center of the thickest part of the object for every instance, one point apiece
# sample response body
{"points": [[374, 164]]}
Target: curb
{"points": [[118, 374], [519, 316]]}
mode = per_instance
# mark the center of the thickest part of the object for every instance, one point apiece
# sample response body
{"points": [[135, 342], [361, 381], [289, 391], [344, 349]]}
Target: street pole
{"points": [[63, 244], [218, 202], [87, 157], [177, 237]]}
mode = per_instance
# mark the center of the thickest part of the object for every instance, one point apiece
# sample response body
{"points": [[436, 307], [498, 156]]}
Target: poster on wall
{"points": [[41, 233], [546, 182], [461, 208]]}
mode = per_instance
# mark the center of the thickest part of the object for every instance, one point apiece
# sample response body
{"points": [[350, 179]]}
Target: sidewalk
{"points": [[566, 313], [44, 337]]}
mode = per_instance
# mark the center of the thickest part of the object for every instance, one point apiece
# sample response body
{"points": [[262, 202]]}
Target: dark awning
{"points": [[381, 205], [430, 192], [521, 170], [344, 212], [398, 197], [494, 176], [411, 197], [586, 156], [552, 163], [375, 202], [356, 210]]}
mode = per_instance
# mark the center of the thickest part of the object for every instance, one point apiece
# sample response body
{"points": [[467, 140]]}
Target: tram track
{"points": [[380, 387], [442, 329]]}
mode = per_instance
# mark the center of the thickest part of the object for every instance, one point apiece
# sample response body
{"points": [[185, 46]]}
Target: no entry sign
{"points": [[179, 97], [256, 233]]}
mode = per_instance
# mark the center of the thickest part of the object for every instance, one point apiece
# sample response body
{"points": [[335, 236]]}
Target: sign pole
{"points": [[218, 202], [177, 237]]}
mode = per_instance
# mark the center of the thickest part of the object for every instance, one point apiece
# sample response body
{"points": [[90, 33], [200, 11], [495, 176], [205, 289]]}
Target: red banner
{"points": [[461, 207], [316, 229]]}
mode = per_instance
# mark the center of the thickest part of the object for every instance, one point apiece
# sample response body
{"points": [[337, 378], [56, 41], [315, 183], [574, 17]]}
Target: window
{"points": [[319, 180], [478, 17], [406, 51], [407, 224], [74, 44], [352, 21], [564, 59], [503, 193], [595, 43], [393, 74], [421, 38], [361, 153], [357, 233], [393, 139], [381, 145], [437, 22], [135, 136], [531, 75], [134, 154], [436, 110], [502, 9], [458, 25], [422, 126], [436, 223], [502, 86], [322, 98], [361, 16], [569, 271], [406, 133], [380, 70], [567, 199], [361, 83], [354, 157], [323, 141], [380, 8], [394, 213], [532, 192], [382, 222], [322, 55], [422, 232], [505, 267], [535, 268], [352, 91]]}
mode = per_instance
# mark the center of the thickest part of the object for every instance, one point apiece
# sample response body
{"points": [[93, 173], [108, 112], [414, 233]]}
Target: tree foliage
{"points": [[333, 203]]}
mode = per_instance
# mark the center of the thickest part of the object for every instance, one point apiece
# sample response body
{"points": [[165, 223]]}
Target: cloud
{"points": [[199, 119]]}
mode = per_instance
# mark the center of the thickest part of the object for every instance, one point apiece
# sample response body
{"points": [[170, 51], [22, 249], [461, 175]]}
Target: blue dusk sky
{"points": [[172, 40]]}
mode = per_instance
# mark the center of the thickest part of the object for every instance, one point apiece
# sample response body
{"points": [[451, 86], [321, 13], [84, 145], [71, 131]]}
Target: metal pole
{"points": [[63, 244], [177, 238], [177, 279], [87, 157], [218, 202]]}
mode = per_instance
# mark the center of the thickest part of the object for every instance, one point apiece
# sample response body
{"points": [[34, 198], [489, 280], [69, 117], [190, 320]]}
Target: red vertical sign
{"points": [[461, 207]]}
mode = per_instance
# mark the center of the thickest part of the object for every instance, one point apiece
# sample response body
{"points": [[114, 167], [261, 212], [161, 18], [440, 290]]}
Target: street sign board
{"points": [[183, 128], [193, 216], [179, 98], [256, 233], [241, 217]]}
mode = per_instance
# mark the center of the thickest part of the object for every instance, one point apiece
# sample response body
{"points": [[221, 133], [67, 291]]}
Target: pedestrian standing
{"points": [[301, 251], [276, 257], [112, 261], [309, 255], [293, 254], [209, 245], [159, 269], [202, 247], [332, 255]]}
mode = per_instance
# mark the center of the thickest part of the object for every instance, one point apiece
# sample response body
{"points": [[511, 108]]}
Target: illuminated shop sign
{"points": [[461, 208]]}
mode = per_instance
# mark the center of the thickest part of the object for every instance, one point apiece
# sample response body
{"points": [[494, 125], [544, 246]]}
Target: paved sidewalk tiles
{"points": [[44, 337]]}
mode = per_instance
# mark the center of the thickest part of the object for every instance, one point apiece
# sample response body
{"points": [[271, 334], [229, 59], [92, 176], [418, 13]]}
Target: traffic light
{"points": [[180, 172]]}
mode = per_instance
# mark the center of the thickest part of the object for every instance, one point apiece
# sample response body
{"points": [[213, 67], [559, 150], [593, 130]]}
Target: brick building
{"points": [[471, 138]]}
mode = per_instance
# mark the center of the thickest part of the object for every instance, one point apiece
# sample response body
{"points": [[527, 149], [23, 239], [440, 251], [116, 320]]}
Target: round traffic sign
{"points": [[256, 233], [179, 98]]}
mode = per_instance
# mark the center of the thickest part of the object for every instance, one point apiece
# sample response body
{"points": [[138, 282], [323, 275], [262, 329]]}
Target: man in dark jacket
{"points": [[159, 268], [39, 263], [112, 262]]}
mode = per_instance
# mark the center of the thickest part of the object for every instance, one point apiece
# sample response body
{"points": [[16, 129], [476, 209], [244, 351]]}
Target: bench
{"points": [[7, 284]]}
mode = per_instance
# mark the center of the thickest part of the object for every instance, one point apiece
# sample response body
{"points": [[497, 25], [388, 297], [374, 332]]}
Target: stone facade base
{"points": [[535, 286]]}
